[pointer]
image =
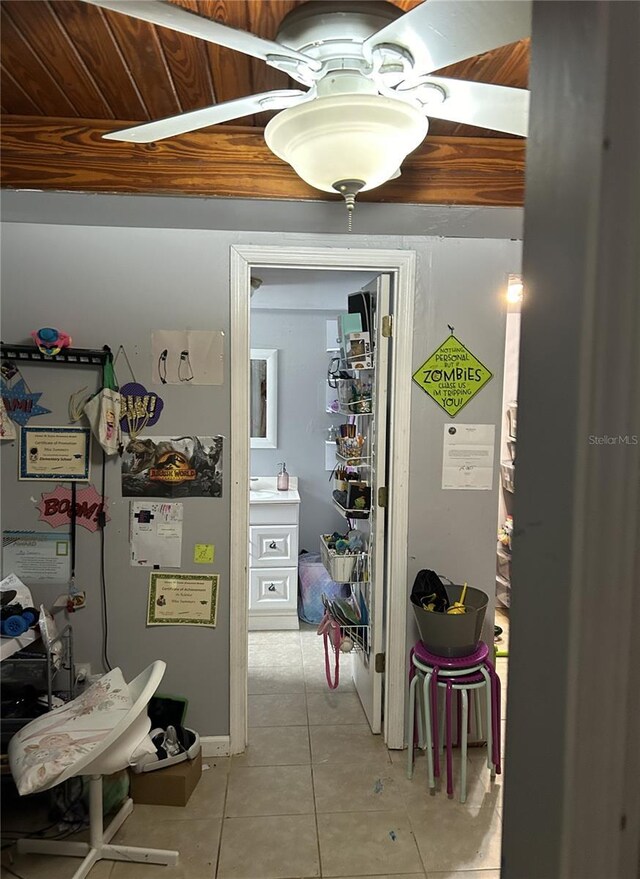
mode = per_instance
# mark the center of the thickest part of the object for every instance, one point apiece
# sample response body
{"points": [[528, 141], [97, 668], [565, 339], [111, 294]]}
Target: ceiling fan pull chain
{"points": [[348, 189]]}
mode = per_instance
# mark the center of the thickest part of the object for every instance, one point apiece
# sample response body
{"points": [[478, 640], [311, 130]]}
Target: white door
{"points": [[368, 681]]}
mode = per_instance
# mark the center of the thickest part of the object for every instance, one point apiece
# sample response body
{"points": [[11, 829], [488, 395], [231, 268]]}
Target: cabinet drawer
{"points": [[273, 590], [273, 546], [265, 514]]}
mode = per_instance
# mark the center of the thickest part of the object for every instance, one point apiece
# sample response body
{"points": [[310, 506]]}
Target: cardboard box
{"points": [[167, 787]]}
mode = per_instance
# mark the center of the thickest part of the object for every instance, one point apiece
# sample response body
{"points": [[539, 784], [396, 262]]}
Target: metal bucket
{"points": [[453, 635]]}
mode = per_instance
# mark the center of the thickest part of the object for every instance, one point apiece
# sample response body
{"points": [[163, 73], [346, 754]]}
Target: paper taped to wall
{"points": [[155, 534], [187, 357], [467, 456]]}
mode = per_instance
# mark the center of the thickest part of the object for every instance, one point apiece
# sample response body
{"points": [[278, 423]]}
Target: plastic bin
{"points": [[453, 635], [313, 581]]}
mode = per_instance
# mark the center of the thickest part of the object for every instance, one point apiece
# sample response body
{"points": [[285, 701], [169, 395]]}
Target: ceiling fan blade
{"points": [[478, 103], [173, 125], [186, 22], [441, 32]]}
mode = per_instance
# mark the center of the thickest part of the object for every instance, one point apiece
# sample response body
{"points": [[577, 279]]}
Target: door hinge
{"points": [[387, 326], [383, 496], [380, 662]]}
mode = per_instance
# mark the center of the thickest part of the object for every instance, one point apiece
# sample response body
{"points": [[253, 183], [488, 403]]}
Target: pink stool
{"points": [[465, 674]]}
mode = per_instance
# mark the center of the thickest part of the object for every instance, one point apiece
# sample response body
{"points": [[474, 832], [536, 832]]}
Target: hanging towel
{"points": [[103, 411]]}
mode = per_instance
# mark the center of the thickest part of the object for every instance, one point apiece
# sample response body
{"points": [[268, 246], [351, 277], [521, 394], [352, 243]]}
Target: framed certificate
{"points": [[58, 453], [182, 599]]}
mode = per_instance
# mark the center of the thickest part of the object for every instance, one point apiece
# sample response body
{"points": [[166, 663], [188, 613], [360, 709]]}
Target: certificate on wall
{"points": [[36, 556], [60, 453], [182, 599]]}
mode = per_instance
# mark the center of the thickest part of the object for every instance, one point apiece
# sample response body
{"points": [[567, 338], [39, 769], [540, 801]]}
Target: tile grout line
{"points": [[313, 788], [224, 817], [313, 783], [315, 811]]}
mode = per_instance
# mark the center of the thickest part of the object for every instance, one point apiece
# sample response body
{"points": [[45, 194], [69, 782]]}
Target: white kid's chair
{"points": [[94, 735]]}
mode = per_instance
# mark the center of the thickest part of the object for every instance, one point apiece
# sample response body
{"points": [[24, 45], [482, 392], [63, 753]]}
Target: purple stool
{"points": [[464, 674]]}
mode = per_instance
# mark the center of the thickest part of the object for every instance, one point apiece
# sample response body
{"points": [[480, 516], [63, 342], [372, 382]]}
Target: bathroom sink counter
{"points": [[264, 490]]}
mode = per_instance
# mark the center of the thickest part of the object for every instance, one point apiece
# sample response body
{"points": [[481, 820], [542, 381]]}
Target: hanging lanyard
{"points": [[331, 635]]}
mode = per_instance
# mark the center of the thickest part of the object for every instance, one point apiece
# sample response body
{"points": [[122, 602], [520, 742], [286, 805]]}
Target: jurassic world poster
{"points": [[172, 467]]}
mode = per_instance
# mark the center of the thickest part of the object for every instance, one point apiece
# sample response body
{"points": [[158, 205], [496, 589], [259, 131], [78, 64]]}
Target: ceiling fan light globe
{"points": [[347, 137]]}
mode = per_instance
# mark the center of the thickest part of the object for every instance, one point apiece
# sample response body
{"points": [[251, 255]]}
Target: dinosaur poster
{"points": [[172, 467]]}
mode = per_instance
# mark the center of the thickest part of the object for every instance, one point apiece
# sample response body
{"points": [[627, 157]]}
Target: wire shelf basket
{"points": [[354, 396], [340, 566], [354, 637]]}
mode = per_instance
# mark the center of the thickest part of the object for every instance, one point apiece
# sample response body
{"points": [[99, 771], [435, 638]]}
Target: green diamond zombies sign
{"points": [[452, 375]]}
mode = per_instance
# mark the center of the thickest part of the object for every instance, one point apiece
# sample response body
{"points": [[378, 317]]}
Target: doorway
{"points": [[320, 415], [400, 267]]}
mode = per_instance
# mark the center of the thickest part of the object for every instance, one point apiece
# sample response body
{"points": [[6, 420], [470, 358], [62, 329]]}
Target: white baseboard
{"points": [[215, 746]]}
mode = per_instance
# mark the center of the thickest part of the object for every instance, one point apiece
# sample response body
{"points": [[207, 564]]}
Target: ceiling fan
{"points": [[366, 68]]}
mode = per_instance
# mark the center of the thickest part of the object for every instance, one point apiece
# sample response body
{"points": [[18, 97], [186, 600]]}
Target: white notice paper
{"points": [[156, 534], [467, 456]]}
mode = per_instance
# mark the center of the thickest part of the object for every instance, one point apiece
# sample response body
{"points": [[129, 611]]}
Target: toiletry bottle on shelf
{"points": [[283, 478]]}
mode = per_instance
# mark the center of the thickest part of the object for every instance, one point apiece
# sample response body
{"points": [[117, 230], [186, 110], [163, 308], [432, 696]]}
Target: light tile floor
{"points": [[316, 794]]}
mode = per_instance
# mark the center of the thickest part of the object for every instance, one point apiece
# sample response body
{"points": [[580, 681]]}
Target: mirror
{"points": [[264, 398]]}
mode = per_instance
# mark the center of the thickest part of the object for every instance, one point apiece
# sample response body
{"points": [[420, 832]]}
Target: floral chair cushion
{"points": [[41, 751]]}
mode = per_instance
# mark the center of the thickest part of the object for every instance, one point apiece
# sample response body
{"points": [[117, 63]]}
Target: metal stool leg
{"points": [[463, 745], [490, 720], [477, 714], [496, 687], [428, 725], [449, 724], [443, 715], [420, 710], [412, 723], [434, 721]]}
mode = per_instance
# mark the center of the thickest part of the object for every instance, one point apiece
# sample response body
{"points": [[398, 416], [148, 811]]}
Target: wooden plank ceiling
{"points": [[70, 72]]}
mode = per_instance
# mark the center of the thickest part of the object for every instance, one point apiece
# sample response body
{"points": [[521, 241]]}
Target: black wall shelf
{"points": [[70, 356]]}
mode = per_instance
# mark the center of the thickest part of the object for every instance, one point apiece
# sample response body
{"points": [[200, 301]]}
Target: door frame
{"points": [[401, 264]]}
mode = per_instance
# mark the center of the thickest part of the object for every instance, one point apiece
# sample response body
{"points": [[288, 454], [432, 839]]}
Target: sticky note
{"points": [[203, 553]]}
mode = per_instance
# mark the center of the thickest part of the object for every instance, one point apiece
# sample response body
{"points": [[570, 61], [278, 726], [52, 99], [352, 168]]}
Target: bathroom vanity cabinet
{"points": [[273, 555]]}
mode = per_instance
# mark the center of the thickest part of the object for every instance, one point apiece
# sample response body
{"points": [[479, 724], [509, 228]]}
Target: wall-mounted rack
{"points": [[351, 513], [70, 356]]}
